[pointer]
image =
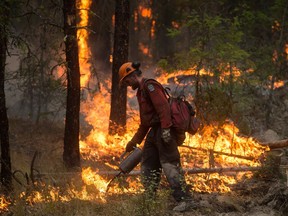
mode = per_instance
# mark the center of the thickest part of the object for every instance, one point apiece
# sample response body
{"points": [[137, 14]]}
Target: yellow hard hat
{"points": [[125, 70]]}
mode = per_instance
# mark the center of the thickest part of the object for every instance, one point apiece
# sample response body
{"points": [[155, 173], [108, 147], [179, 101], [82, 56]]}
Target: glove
{"points": [[166, 135], [130, 146], [180, 138]]}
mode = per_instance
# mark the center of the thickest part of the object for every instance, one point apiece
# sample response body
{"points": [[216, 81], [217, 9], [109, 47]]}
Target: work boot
{"points": [[181, 207]]}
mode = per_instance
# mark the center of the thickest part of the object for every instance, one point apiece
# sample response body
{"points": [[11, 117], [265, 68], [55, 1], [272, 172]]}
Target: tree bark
{"points": [[6, 177], [117, 123], [101, 40], [71, 154], [163, 13]]}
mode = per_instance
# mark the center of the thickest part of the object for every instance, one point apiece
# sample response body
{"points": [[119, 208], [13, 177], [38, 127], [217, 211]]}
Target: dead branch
{"points": [[32, 168], [25, 175], [276, 144], [221, 170]]}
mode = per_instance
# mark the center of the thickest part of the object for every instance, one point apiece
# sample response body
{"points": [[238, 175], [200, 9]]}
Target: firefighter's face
{"points": [[131, 80]]}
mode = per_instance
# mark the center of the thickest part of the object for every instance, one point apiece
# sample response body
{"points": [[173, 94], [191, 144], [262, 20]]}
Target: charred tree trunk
{"points": [[6, 177], [71, 154], [120, 55]]}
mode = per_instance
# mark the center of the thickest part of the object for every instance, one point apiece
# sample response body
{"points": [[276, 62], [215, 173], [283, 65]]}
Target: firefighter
{"points": [[160, 151]]}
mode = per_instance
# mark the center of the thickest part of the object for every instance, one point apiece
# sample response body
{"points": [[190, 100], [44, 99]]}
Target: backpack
{"points": [[182, 113]]}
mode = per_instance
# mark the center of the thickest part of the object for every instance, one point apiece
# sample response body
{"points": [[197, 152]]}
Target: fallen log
{"points": [[276, 144], [218, 152], [190, 171]]}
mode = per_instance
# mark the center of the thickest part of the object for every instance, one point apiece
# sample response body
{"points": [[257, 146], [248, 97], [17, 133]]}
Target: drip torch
{"points": [[128, 162]]}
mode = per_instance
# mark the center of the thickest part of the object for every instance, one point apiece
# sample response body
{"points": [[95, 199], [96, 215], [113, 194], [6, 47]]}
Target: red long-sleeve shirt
{"points": [[154, 108]]}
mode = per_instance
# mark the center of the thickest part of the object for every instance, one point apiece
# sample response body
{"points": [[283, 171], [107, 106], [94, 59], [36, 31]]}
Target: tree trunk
{"points": [[101, 41], [6, 177], [134, 25], [120, 55], [71, 154], [163, 13]]}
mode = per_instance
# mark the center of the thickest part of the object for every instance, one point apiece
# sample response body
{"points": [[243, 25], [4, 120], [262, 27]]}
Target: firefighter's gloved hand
{"points": [[180, 138], [130, 146], [166, 135]]}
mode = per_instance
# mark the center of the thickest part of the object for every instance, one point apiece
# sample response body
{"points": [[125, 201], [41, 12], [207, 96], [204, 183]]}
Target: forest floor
{"points": [[266, 196]]}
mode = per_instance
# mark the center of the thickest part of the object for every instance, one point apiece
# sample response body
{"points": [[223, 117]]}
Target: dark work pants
{"points": [[158, 156]]}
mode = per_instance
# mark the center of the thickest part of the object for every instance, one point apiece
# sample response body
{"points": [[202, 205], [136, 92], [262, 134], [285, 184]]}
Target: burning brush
{"points": [[128, 162]]}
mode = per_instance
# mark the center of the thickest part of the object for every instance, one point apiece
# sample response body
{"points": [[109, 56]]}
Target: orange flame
{"points": [[82, 35], [4, 204], [224, 140], [279, 84], [145, 12], [144, 49], [203, 149]]}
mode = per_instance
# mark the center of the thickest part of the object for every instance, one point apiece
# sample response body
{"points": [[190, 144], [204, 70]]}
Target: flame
{"points": [[152, 30], [83, 47], [144, 49], [4, 204], [227, 147], [279, 84], [190, 72], [276, 26], [135, 20], [145, 12], [213, 146], [92, 178], [175, 25]]}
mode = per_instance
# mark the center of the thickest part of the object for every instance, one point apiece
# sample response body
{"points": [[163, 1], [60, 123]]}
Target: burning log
{"points": [[192, 170], [218, 152], [276, 144], [220, 170]]}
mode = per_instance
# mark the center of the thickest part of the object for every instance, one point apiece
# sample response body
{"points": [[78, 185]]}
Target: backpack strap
{"points": [[169, 97], [159, 84]]}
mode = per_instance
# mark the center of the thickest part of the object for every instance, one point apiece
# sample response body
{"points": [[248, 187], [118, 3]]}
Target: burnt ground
{"points": [[265, 194]]}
